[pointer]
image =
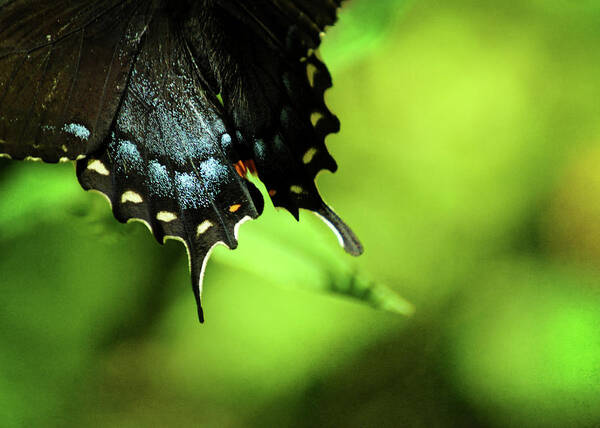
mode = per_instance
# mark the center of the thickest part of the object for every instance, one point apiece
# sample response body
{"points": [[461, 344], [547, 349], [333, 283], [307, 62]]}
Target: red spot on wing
{"points": [[242, 167]]}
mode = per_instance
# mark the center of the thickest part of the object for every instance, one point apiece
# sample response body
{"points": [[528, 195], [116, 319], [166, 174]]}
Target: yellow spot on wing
{"points": [[309, 155], [234, 208], [64, 148], [98, 166], [203, 227], [296, 189], [315, 117], [131, 196], [311, 70], [166, 216]]}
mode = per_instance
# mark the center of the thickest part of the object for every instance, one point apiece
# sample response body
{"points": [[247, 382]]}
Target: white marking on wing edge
{"points": [[98, 166], [130, 220], [104, 195], [205, 261], [33, 158], [166, 216], [203, 227], [187, 249], [140, 220], [208, 253], [332, 227], [236, 228], [5, 156], [131, 196]]}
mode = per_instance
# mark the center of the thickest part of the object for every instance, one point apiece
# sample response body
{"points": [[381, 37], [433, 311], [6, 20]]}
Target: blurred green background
{"points": [[468, 157]]}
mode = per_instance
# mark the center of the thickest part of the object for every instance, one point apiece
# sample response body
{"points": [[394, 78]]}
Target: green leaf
{"points": [[306, 256]]}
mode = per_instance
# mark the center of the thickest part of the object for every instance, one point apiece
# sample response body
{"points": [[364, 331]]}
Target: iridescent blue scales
{"points": [[188, 96], [165, 162]]}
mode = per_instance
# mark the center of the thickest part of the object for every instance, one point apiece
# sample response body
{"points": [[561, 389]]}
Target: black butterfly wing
{"points": [[260, 57], [63, 68], [130, 88], [291, 26], [169, 159]]}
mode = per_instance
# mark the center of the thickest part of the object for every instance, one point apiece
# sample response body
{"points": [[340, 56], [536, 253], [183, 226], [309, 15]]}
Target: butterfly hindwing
{"points": [[167, 104], [169, 159], [63, 68], [260, 57]]}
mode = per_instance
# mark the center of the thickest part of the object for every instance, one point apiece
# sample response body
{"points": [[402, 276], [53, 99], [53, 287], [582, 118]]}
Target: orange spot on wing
{"points": [[234, 208], [272, 192], [242, 167]]}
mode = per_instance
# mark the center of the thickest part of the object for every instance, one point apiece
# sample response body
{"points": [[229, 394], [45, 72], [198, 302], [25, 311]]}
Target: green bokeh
{"points": [[526, 345], [468, 167]]}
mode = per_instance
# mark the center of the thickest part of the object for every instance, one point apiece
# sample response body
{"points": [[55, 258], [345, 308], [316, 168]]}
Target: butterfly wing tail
{"points": [[345, 235], [168, 160]]}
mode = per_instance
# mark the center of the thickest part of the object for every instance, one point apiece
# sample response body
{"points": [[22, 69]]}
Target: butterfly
{"points": [[167, 106]]}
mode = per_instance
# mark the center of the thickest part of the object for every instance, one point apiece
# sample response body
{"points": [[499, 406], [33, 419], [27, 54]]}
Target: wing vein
{"points": [[75, 75], [69, 33], [11, 79], [110, 66], [35, 96]]}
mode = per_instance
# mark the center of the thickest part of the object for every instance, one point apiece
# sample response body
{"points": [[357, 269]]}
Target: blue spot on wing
{"points": [[128, 150], [213, 174], [158, 180], [196, 192], [191, 192], [126, 156], [226, 142], [182, 139], [77, 130], [260, 150]]}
